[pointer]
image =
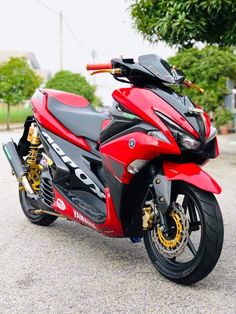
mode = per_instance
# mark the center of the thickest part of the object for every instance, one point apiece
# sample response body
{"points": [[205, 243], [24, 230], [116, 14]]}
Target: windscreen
{"points": [[159, 67]]}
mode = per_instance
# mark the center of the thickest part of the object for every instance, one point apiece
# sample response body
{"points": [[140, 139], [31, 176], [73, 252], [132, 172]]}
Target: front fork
{"points": [[160, 188], [161, 184]]}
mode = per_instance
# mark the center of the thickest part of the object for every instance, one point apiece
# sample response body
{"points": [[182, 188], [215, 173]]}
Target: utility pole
{"points": [[94, 55], [61, 40]]}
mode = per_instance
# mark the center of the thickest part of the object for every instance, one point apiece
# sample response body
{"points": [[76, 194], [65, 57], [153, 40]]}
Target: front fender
{"points": [[192, 174]]}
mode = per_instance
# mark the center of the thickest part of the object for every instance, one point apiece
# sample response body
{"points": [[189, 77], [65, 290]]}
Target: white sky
{"points": [[102, 25]]}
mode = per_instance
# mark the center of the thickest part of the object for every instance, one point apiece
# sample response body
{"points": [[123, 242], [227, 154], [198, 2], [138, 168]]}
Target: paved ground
{"points": [[67, 268]]}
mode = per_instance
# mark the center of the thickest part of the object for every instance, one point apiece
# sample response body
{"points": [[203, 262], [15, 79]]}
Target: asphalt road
{"points": [[67, 268]]}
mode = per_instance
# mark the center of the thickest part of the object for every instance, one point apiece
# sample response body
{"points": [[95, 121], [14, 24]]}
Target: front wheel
{"points": [[190, 249]]}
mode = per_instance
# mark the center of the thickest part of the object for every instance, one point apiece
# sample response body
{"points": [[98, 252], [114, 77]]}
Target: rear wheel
{"points": [[191, 248], [28, 206]]}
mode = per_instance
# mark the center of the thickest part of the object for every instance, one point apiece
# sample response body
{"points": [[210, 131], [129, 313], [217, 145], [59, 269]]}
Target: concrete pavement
{"points": [[227, 143]]}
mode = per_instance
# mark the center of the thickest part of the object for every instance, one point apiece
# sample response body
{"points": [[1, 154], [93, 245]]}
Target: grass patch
{"points": [[18, 113]]}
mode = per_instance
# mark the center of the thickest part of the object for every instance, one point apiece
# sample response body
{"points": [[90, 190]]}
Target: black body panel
{"points": [[116, 126], [23, 145], [74, 176], [123, 123], [86, 203], [181, 104], [116, 190], [121, 120], [162, 188], [46, 190], [82, 158]]}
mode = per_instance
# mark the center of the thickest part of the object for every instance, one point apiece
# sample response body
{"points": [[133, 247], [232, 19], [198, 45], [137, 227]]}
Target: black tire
{"points": [[27, 207], [210, 243]]}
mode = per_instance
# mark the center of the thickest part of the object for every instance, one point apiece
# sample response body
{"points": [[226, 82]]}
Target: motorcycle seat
{"points": [[82, 121]]}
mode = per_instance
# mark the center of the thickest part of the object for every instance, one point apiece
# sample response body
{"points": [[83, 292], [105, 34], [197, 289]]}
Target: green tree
{"points": [[222, 116], [74, 83], [17, 83], [209, 68], [182, 23]]}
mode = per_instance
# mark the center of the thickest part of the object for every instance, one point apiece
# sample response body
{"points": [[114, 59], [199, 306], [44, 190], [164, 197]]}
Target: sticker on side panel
{"points": [[60, 204], [83, 220]]}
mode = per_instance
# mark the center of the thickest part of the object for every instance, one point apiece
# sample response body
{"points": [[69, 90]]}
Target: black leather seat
{"points": [[81, 121]]}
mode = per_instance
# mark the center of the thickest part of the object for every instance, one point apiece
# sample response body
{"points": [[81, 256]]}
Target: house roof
{"points": [[31, 59], [33, 62]]}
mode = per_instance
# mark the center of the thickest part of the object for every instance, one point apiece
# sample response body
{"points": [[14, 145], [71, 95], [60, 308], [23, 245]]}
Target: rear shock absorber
{"points": [[33, 167]]}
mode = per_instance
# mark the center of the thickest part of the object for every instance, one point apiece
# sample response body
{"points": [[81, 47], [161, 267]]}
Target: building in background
{"points": [[31, 60]]}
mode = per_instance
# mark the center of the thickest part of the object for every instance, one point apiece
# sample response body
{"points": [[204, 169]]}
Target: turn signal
{"points": [[136, 165]]}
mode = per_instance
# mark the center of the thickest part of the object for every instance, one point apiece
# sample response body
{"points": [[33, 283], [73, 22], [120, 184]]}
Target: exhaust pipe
{"points": [[16, 165]]}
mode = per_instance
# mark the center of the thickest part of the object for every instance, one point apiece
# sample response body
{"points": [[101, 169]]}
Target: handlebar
{"points": [[189, 84], [98, 66], [118, 72]]}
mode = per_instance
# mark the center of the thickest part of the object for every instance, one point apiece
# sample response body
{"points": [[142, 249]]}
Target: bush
{"points": [[209, 68], [222, 116], [74, 83]]}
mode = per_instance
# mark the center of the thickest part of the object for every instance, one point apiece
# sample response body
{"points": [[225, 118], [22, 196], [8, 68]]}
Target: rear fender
{"points": [[192, 174]]}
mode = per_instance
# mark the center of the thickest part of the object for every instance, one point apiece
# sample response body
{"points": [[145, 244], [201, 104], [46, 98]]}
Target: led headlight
{"points": [[188, 142], [158, 135], [182, 138]]}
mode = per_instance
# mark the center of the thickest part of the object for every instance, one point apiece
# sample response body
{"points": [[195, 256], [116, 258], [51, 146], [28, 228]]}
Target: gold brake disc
{"points": [[173, 247], [172, 243]]}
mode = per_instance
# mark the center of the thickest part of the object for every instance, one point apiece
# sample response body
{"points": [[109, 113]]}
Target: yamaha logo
{"points": [[132, 143]]}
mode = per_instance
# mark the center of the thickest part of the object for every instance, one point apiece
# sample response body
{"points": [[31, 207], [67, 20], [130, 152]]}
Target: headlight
{"points": [[188, 142], [185, 140]]}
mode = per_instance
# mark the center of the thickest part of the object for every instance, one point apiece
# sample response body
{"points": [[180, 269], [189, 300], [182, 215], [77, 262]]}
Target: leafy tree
{"points": [[74, 83], [209, 68], [222, 116], [182, 23], [17, 83]]}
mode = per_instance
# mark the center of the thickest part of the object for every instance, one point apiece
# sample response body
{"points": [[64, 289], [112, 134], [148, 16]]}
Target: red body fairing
{"points": [[111, 227], [48, 121], [191, 174], [143, 102], [146, 148]]}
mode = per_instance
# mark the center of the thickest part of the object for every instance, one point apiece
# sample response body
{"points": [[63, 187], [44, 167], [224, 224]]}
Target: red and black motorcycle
{"points": [[135, 172]]}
